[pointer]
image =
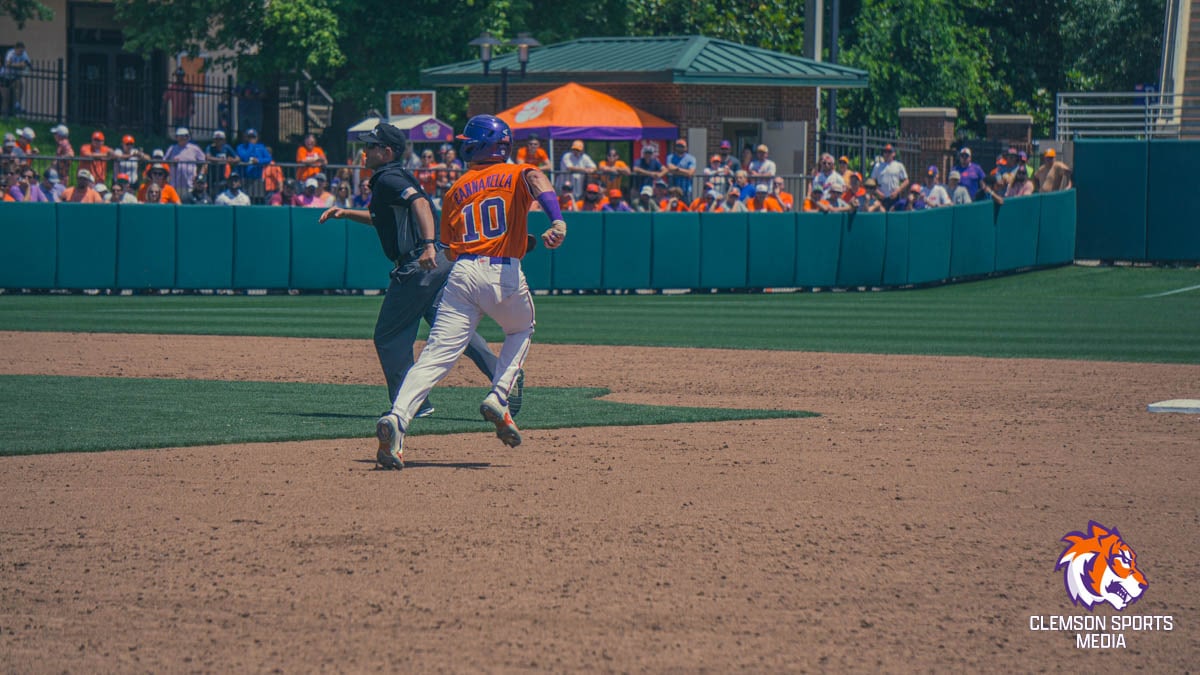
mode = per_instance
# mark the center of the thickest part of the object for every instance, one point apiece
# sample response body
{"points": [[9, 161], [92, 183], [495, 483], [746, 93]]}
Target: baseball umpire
{"points": [[402, 215]]}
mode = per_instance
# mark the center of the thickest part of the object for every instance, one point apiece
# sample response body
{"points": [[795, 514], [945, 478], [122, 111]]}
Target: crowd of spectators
{"points": [[224, 174], [184, 173]]}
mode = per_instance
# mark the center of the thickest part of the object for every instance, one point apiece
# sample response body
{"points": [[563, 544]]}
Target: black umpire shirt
{"points": [[393, 193]]}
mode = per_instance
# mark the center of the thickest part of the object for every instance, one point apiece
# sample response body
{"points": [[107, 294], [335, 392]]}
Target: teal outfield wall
{"points": [[1135, 200], [76, 246]]}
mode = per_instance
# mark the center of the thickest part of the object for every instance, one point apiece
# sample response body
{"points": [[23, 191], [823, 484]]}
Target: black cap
{"points": [[384, 134]]}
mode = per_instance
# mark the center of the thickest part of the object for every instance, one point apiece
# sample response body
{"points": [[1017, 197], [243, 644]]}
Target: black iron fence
{"points": [[127, 95], [863, 147]]}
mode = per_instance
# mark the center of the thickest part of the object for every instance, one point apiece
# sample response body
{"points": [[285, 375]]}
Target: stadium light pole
{"points": [[486, 42]]}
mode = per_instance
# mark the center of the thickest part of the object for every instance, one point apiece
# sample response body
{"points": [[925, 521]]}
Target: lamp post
{"points": [[486, 42]]}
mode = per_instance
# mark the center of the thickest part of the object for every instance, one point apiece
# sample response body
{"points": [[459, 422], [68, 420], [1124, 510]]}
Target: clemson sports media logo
{"points": [[1098, 567]]}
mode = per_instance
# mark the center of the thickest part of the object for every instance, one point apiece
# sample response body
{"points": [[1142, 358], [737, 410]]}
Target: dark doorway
{"points": [[108, 86]]}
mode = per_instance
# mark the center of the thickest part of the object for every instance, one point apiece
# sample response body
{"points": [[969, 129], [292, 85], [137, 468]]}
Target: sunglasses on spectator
{"points": [[372, 146]]}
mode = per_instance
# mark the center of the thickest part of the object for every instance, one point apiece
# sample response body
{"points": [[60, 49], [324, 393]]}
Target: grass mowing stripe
{"points": [[1177, 290], [122, 413], [1070, 312]]}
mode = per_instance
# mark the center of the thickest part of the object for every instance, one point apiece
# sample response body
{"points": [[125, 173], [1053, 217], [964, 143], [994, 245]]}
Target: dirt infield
{"points": [[914, 526]]}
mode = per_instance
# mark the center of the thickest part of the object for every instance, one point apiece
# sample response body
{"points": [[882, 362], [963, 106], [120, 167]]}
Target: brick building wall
{"points": [[1014, 129], [687, 106], [934, 131]]}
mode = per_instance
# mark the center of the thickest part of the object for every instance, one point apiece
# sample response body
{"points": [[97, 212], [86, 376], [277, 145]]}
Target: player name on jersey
{"points": [[496, 180]]}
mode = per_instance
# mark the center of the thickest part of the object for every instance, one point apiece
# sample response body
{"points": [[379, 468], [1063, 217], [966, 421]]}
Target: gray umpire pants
{"points": [[412, 294]]}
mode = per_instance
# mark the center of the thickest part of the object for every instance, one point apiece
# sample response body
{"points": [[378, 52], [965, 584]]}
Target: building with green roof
{"points": [[712, 89]]}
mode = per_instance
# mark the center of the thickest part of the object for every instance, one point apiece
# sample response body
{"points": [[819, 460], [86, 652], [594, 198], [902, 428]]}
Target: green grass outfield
{"points": [[1120, 314], [1097, 313]]}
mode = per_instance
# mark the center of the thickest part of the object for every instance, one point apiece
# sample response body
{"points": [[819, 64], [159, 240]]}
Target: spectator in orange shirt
{"points": [[533, 154], [593, 199], [427, 173], [82, 192], [710, 202], [701, 203], [674, 200], [612, 170], [763, 200], [272, 176], [311, 158], [99, 152], [157, 175], [154, 194], [815, 203], [786, 200]]}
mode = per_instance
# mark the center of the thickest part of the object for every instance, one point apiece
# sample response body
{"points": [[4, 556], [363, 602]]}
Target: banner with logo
{"points": [[408, 103]]}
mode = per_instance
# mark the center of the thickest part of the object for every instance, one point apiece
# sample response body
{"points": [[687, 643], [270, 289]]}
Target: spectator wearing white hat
{"points": [[645, 202], [222, 159], [310, 197], [25, 141], [187, 157], [763, 200], [959, 194], [63, 150], [970, 174], [10, 149], [82, 192]]}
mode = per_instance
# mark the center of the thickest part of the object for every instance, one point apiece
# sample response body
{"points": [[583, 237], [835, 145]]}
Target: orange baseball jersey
{"points": [[484, 212]]}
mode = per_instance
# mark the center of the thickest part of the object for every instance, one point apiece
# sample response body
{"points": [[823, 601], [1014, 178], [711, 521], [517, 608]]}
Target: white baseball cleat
{"points": [[494, 412], [391, 442]]}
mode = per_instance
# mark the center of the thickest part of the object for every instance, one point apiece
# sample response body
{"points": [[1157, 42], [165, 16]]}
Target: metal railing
{"points": [[862, 147], [1142, 115], [67, 168]]}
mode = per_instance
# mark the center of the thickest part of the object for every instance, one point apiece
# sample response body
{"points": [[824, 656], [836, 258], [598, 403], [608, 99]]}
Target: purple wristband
{"points": [[549, 202]]}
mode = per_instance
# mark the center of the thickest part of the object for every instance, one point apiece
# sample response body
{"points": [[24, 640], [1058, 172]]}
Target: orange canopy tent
{"points": [[573, 111]]}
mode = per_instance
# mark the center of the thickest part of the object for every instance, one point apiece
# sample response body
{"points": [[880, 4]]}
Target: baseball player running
{"points": [[484, 227], [403, 218]]}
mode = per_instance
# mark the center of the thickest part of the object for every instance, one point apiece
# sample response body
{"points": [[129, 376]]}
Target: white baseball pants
{"points": [[476, 287]]}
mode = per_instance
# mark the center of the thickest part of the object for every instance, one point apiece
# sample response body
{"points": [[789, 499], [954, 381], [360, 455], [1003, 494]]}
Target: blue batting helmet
{"points": [[486, 138]]}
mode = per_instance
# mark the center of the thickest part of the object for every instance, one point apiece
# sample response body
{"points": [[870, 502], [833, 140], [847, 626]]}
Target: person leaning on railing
{"points": [[16, 63]]}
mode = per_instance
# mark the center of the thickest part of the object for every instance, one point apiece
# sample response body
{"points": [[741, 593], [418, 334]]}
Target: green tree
{"points": [[22, 11], [769, 24], [916, 53]]}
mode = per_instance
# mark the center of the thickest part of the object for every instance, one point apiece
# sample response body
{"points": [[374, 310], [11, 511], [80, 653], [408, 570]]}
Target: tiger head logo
{"points": [[1098, 567]]}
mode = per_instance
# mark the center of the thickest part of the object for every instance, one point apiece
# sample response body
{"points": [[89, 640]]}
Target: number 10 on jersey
{"points": [[485, 220]]}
